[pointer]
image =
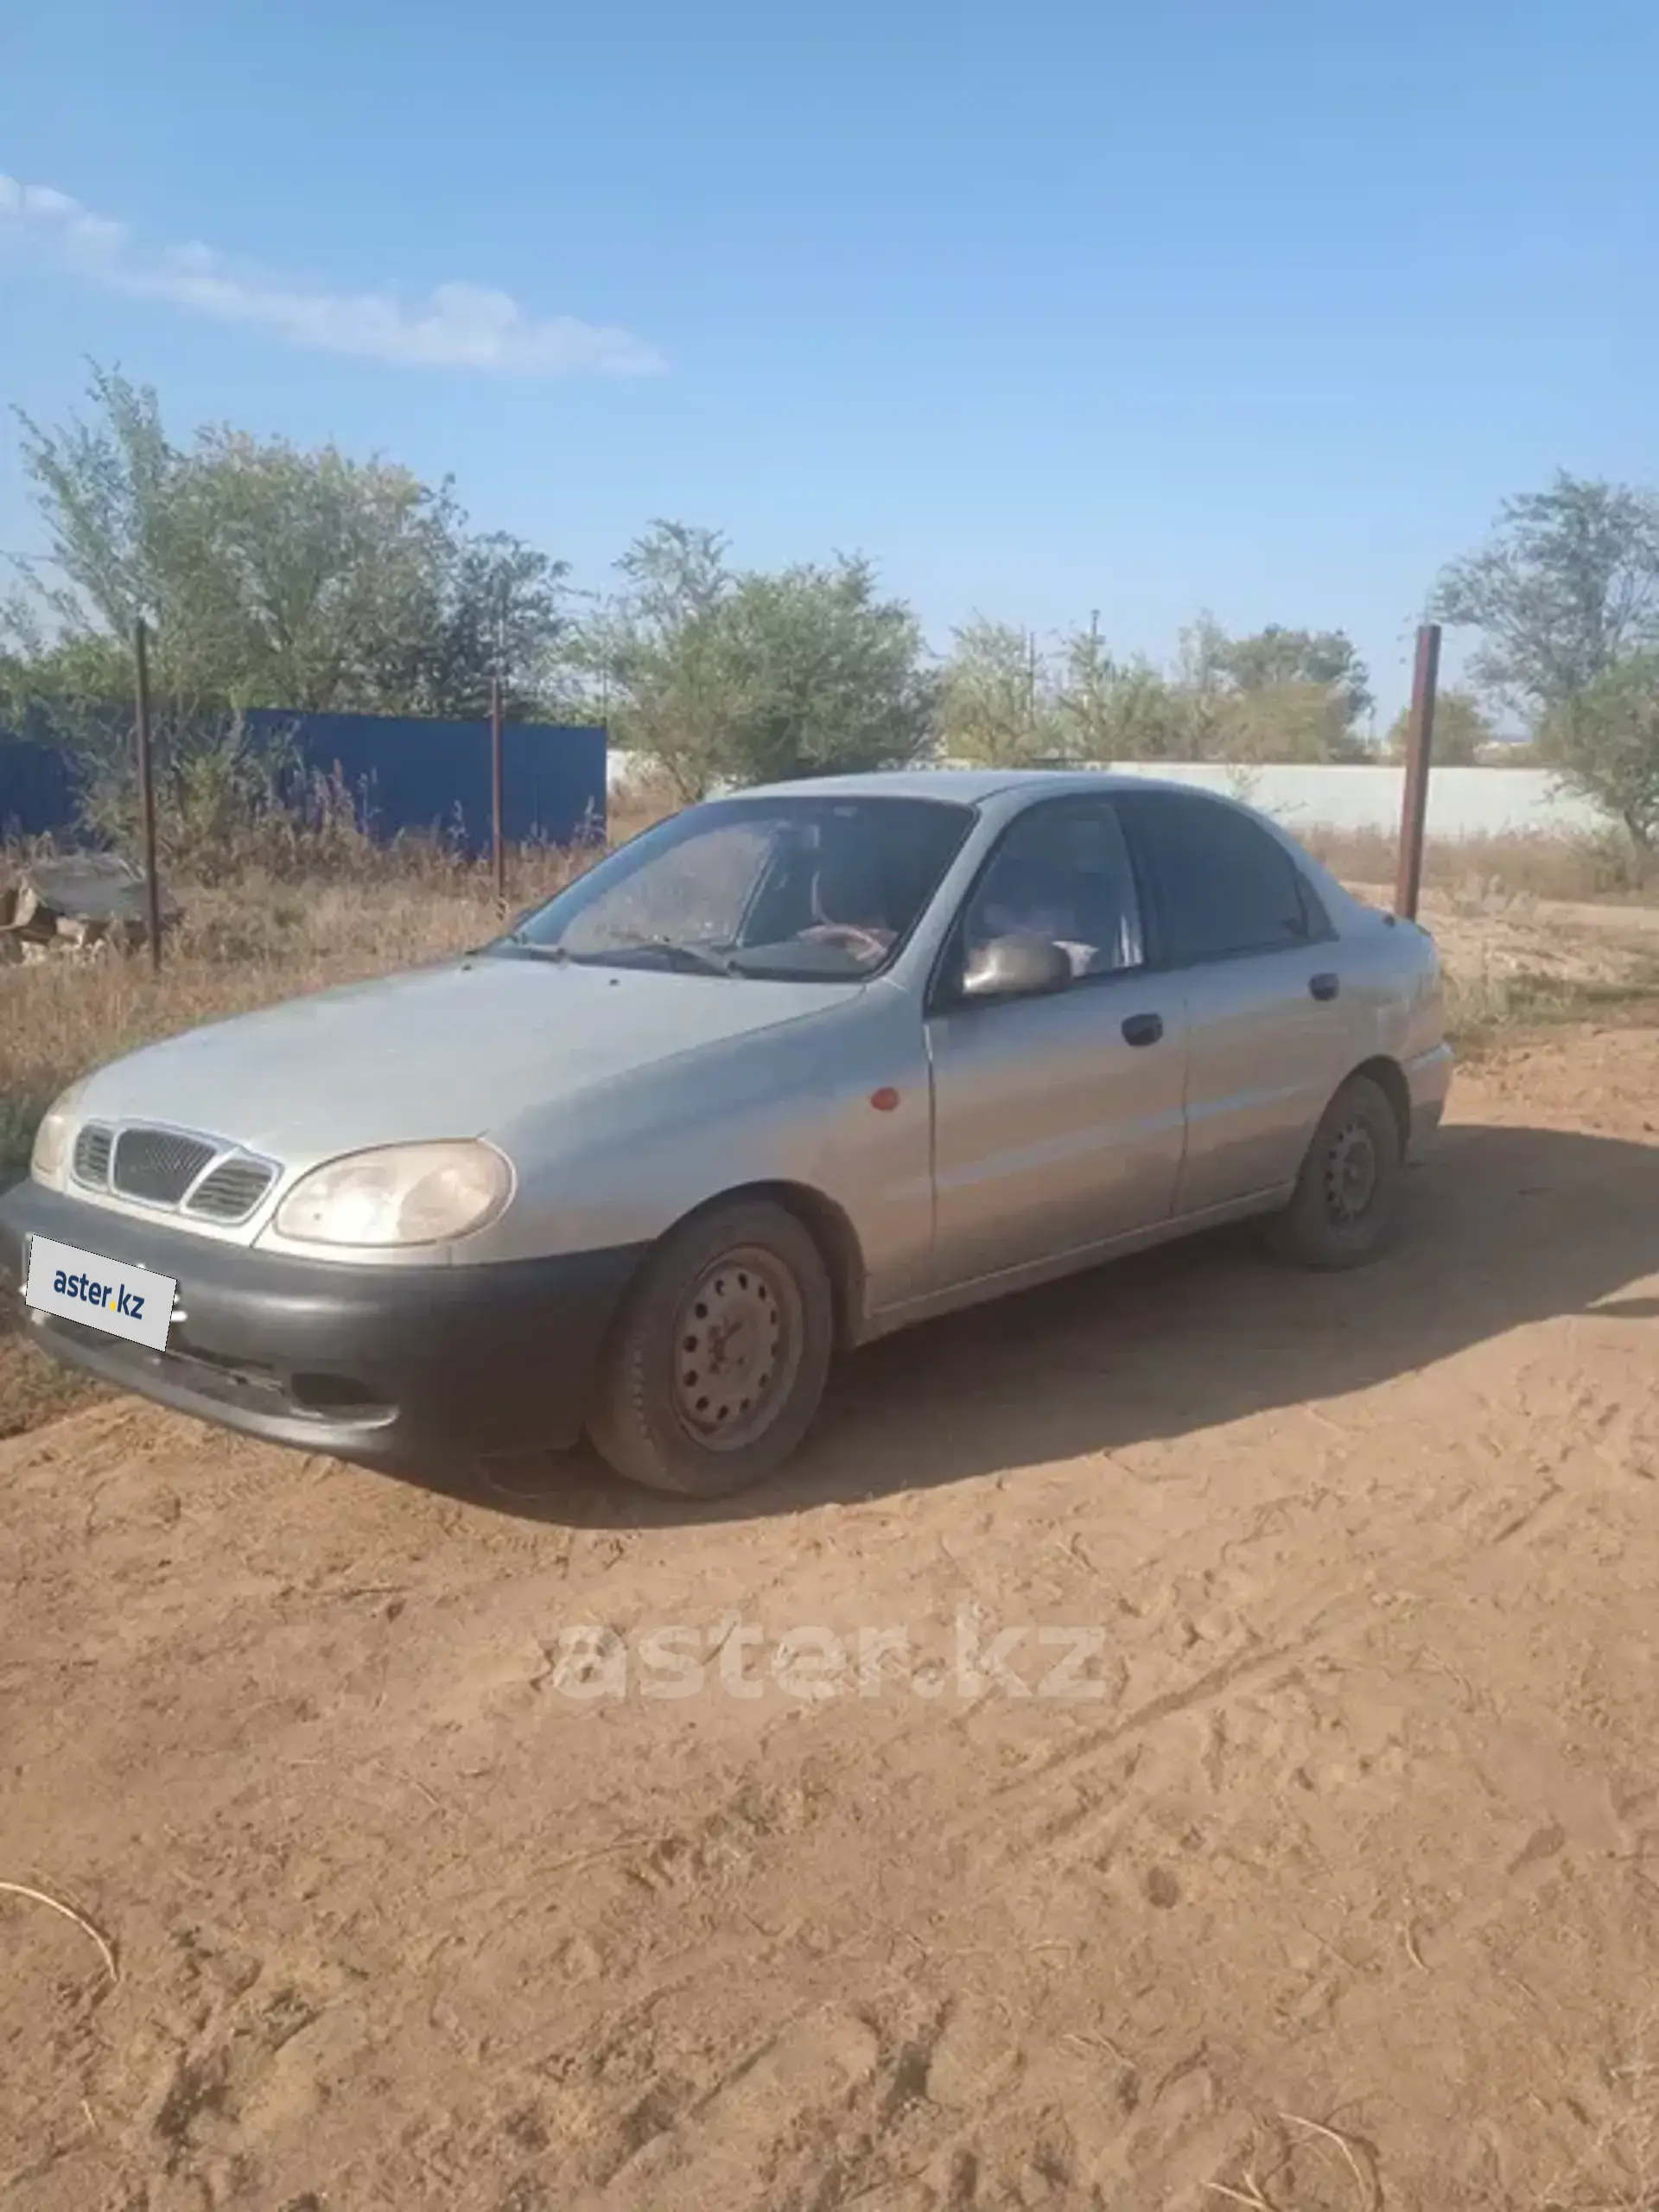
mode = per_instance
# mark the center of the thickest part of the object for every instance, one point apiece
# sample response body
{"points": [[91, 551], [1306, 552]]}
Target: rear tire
{"points": [[1346, 1205], [718, 1360]]}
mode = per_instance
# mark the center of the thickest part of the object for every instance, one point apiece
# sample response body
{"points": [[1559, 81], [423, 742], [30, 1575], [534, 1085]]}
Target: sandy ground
{"points": [[1323, 1876], [1489, 937]]}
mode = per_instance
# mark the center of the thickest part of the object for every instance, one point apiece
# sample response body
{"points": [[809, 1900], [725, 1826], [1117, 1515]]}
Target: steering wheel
{"points": [[848, 934]]}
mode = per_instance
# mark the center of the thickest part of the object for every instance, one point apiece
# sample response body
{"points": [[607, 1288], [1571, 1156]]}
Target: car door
{"points": [[1240, 933], [1057, 1118]]}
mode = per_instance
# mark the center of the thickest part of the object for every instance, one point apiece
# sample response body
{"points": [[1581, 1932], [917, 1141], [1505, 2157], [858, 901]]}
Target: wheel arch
{"points": [[1391, 1079], [828, 1226]]}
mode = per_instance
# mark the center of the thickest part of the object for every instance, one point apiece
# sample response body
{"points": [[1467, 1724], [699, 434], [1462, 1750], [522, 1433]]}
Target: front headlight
{"points": [[51, 1151], [403, 1194]]}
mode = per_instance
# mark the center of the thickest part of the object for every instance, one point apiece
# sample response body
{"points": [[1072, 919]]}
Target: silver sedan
{"points": [[792, 1070]]}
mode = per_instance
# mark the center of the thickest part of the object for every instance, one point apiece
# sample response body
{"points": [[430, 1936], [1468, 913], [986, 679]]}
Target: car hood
{"points": [[455, 1050]]}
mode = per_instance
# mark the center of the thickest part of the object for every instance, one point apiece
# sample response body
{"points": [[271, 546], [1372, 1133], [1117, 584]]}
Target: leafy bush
{"points": [[1604, 744]]}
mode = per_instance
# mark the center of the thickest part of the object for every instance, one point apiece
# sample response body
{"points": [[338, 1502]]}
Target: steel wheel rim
{"points": [[737, 1349], [1351, 1169]]}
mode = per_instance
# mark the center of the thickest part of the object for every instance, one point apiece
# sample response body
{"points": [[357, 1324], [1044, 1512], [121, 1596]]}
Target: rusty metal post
{"points": [[146, 798], [1420, 745], [498, 851]]}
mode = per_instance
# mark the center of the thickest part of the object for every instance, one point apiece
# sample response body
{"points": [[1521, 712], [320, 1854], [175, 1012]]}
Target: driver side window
{"points": [[1061, 873]]}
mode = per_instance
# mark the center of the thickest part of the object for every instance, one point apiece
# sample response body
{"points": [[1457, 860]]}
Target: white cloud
{"points": [[454, 326]]}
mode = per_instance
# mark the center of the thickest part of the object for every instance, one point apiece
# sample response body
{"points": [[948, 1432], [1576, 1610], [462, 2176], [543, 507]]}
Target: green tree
{"points": [[1201, 682], [44, 686], [1277, 694], [656, 654], [1461, 729], [324, 570], [270, 575], [495, 609], [1137, 714], [727, 676], [828, 677], [110, 491], [1275, 657], [1090, 679], [1566, 588], [1298, 720], [1108, 709], [998, 702], [1604, 744]]}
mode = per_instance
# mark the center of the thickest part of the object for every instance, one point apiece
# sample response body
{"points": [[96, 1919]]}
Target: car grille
{"points": [[158, 1165], [231, 1190], [92, 1161], [201, 1176]]}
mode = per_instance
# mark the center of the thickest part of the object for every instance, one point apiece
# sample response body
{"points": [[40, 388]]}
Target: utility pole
{"points": [[497, 848], [146, 796], [1420, 745], [1094, 700]]}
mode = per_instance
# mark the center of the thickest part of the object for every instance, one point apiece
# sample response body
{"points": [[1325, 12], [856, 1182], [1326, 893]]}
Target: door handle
{"points": [[1143, 1028], [1325, 987]]}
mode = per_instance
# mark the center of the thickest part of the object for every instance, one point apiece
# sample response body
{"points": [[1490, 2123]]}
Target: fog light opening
{"points": [[337, 1394]]}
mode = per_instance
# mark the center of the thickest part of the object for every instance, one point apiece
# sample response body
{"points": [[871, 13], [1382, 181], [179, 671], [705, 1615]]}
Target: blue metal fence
{"points": [[38, 789], [402, 774]]}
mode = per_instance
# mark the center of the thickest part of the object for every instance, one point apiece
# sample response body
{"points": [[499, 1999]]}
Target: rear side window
{"points": [[1222, 885]]}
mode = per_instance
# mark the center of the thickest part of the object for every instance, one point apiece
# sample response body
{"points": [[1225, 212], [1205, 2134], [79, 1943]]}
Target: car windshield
{"points": [[801, 888]]}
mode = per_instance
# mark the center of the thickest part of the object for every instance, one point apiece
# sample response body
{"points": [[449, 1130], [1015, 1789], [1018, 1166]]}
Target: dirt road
{"points": [[1325, 1870]]}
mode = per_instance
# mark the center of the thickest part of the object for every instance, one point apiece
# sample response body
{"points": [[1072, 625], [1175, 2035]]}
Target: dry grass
{"points": [[1485, 1011], [1539, 864], [1513, 961]]}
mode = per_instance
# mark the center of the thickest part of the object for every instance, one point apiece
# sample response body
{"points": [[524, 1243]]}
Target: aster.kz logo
{"points": [[104, 1294], [113, 1295]]}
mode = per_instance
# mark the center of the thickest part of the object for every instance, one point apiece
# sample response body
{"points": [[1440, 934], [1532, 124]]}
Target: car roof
{"points": [[964, 786]]}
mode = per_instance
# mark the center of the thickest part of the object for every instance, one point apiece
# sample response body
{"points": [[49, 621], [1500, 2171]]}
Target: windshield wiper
{"points": [[700, 959], [696, 959], [522, 944]]}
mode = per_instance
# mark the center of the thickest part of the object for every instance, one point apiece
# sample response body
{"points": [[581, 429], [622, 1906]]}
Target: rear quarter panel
{"points": [[1395, 977], [1390, 969]]}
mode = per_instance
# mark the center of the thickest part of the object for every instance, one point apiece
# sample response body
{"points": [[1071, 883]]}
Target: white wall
{"points": [[1462, 802]]}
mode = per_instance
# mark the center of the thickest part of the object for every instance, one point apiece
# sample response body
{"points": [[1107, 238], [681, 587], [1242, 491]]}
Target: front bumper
{"points": [[381, 1364]]}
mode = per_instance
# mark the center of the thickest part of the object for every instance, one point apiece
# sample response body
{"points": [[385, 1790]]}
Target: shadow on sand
{"points": [[1502, 1227]]}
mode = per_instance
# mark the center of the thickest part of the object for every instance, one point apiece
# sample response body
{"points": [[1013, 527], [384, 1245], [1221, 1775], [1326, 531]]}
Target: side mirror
{"points": [[1015, 968]]}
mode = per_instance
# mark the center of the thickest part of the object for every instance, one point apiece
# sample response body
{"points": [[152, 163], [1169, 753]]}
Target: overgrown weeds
{"points": [[1484, 1010], [1568, 865]]}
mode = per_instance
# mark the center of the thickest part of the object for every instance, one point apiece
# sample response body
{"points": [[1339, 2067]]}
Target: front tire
{"points": [[1346, 1203], [718, 1360]]}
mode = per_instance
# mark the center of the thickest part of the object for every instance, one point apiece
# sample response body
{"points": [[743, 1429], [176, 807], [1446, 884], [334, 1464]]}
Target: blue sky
{"points": [[1258, 304]]}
